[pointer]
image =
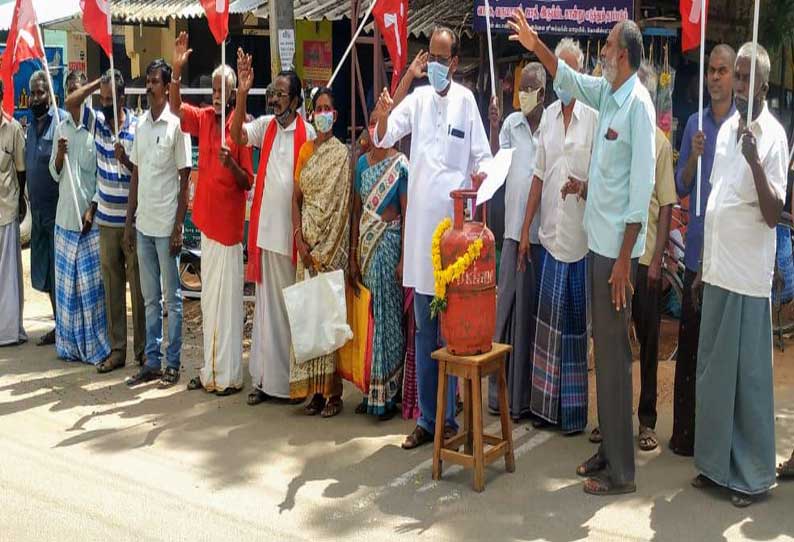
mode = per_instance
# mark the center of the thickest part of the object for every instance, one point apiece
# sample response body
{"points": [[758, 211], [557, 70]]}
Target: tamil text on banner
{"points": [[583, 17]]}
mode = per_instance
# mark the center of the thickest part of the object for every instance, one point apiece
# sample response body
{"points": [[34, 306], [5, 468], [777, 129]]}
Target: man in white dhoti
{"points": [[12, 211], [225, 174], [271, 240]]}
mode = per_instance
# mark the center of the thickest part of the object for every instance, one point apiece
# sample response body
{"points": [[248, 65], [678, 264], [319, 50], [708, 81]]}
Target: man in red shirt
{"points": [[225, 174]]}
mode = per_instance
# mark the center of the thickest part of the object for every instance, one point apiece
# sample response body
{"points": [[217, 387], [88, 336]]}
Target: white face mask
{"points": [[528, 101]]}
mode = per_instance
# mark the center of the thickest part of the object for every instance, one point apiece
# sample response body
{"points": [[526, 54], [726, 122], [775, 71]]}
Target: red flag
{"points": [[392, 19], [96, 21], [217, 12], [690, 23], [23, 43]]}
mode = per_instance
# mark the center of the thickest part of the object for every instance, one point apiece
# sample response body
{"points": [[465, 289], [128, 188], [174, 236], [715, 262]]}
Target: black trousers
{"points": [[645, 314], [683, 439]]}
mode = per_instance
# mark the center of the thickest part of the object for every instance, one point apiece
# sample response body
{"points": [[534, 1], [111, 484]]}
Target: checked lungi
{"points": [[80, 323], [559, 363]]}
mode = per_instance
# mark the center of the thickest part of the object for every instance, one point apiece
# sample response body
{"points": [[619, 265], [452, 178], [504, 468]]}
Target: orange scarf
{"points": [[253, 270]]}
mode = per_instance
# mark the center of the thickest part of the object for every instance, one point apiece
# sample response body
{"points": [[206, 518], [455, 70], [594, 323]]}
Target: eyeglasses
{"points": [[279, 95], [445, 61]]}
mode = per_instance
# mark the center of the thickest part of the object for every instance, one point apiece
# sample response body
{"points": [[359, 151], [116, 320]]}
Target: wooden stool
{"points": [[472, 369]]}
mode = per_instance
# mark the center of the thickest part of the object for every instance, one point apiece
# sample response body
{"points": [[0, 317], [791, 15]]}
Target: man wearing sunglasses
{"points": [[271, 239], [620, 182], [447, 145]]}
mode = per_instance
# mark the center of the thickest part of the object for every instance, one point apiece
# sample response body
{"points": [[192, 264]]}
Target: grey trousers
{"points": [[613, 371]]}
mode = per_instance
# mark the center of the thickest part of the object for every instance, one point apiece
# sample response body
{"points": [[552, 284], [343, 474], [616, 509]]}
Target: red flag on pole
{"points": [[217, 12], [690, 23], [392, 19], [96, 21], [23, 43]]}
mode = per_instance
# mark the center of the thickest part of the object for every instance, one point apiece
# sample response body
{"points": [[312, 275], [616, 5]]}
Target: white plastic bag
{"points": [[317, 314]]}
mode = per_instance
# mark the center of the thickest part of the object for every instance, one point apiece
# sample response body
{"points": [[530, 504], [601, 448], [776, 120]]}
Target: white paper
{"points": [[286, 47], [496, 168]]}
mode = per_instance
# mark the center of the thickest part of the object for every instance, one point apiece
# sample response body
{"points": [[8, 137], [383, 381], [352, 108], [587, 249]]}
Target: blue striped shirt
{"points": [[113, 179]]}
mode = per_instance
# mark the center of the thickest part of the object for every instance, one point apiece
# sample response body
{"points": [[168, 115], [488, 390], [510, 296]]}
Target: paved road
{"points": [[84, 458]]}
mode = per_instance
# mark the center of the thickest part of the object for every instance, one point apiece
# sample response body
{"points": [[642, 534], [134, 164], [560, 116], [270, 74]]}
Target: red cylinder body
{"points": [[469, 321]]}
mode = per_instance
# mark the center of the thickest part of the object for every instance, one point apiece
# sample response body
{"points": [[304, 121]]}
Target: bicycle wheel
{"points": [[672, 299]]}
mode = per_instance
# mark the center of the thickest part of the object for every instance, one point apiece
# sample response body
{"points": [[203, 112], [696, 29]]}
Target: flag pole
{"points": [[490, 46], [700, 99], [58, 121], [223, 94], [113, 73], [352, 43], [751, 96]]}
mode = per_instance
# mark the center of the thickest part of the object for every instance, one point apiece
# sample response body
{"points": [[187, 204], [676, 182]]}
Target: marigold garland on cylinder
{"points": [[443, 277]]}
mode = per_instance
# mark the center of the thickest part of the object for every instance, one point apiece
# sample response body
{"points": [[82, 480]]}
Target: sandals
{"points": [[47, 339], [595, 436], [786, 469], [170, 378], [417, 438], [597, 486], [593, 465], [110, 364], [143, 376], [741, 500], [701, 481], [231, 390], [361, 408], [257, 397], [332, 407], [539, 423], [195, 384], [315, 406], [647, 439]]}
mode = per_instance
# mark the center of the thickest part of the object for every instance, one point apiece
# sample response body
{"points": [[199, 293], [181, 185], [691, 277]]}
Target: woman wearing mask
{"points": [[321, 227], [379, 201]]}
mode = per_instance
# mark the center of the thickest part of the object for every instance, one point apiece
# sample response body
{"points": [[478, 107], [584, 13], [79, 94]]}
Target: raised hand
{"points": [[245, 72], [181, 53], [522, 32], [418, 67]]}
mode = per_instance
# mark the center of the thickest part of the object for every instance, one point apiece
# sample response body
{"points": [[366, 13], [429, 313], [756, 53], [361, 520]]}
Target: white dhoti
{"points": [[271, 341], [222, 314], [12, 293]]}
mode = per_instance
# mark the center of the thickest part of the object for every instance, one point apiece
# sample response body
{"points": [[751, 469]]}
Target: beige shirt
{"points": [[12, 159], [663, 193]]}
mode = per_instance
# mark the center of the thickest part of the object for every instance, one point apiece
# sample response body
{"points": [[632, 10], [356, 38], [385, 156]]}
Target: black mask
{"points": [[109, 113], [39, 109]]}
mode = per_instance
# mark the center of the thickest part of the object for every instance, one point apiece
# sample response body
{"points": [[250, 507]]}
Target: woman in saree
{"points": [[379, 200], [321, 227]]}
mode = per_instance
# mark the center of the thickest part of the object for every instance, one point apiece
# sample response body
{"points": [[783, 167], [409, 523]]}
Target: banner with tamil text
{"points": [[570, 17]]}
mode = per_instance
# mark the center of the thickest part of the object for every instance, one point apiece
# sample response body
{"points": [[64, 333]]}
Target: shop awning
{"points": [[158, 11]]}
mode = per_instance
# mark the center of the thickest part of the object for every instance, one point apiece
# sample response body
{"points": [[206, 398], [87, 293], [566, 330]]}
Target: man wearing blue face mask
{"points": [[447, 145], [558, 363], [515, 309]]}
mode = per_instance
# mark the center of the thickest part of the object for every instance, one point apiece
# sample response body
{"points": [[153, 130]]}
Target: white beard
{"points": [[610, 70]]}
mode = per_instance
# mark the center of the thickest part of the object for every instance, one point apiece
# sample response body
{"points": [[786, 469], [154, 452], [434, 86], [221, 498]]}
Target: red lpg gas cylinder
{"points": [[468, 323]]}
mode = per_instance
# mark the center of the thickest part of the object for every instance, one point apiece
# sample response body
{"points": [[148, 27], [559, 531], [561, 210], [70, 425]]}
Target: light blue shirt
{"points": [[82, 162], [622, 168]]}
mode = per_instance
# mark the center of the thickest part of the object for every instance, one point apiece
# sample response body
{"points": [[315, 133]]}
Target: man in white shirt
{"points": [[559, 360], [12, 212], [157, 205], [271, 241], [515, 304], [448, 142], [735, 439]]}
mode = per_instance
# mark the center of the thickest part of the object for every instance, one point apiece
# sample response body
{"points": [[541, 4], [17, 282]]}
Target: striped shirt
{"points": [[113, 179]]}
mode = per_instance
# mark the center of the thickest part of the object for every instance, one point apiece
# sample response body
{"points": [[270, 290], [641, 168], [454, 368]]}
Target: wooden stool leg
{"points": [[479, 467], [507, 432], [438, 437], [467, 412]]}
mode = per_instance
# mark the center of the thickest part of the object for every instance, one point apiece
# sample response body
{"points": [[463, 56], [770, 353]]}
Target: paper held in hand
{"points": [[496, 168]]}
